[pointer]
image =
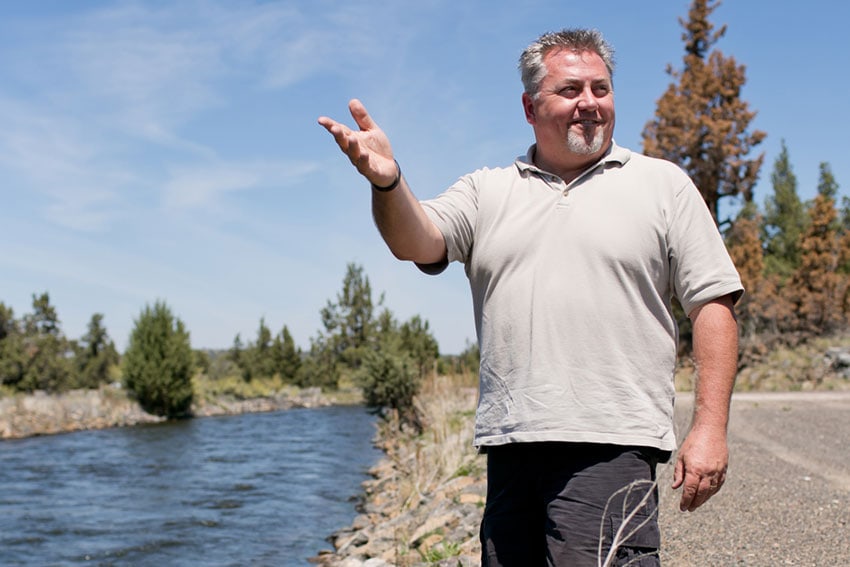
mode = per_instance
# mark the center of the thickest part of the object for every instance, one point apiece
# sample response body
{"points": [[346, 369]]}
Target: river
{"points": [[253, 489]]}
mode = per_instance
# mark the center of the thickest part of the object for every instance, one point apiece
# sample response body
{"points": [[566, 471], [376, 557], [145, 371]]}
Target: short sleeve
{"points": [[701, 268], [455, 212]]}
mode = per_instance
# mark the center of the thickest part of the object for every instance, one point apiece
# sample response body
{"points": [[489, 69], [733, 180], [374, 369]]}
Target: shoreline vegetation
{"points": [[423, 501]]}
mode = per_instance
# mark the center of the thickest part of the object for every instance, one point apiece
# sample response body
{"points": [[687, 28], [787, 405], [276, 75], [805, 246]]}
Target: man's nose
{"points": [[587, 100]]}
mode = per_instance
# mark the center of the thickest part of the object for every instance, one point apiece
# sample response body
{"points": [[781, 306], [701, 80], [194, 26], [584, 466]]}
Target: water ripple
{"points": [[255, 489]]}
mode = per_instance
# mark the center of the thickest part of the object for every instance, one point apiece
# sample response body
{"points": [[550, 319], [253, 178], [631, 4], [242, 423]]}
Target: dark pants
{"points": [[546, 505]]}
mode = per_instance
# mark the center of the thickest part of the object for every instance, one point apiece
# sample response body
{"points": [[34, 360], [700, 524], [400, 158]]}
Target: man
{"points": [[573, 254]]}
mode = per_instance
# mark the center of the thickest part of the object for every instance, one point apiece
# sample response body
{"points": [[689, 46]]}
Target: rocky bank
{"points": [[436, 528], [423, 504], [45, 414]]}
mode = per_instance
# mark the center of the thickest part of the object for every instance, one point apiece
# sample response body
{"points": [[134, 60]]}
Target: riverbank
{"points": [[109, 406]]}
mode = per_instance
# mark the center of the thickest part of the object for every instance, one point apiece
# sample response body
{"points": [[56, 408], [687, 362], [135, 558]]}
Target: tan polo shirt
{"points": [[571, 288]]}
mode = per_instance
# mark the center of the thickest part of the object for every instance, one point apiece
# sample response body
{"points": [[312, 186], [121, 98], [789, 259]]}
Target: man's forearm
{"points": [[405, 227], [715, 335]]}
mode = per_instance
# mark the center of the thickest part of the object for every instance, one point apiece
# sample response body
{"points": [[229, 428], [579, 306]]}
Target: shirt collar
{"points": [[615, 154]]}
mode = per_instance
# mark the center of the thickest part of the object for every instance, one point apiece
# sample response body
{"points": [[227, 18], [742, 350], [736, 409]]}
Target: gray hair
{"points": [[531, 65]]}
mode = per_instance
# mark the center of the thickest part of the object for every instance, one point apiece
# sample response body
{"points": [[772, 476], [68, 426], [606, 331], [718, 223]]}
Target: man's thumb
{"points": [[678, 473]]}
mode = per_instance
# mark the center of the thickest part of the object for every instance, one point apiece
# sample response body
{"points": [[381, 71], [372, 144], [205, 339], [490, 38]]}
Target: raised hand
{"points": [[368, 148]]}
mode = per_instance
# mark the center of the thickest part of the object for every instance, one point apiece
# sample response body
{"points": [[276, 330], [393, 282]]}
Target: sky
{"points": [[169, 151]]}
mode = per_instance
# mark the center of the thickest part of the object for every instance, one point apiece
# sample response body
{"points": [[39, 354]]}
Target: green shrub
{"points": [[390, 379], [159, 362]]}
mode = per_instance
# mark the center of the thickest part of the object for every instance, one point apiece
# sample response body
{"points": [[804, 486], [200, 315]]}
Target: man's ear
{"points": [[528, 107]]}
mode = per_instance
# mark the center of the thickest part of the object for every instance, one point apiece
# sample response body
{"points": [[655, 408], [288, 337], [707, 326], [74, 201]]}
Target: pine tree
{"points": [[385, 358], [158, 363], [349, 322], [288, 356], [701, 122], [784, 219], [827, 185], [47, 352], [816, 288], [844, 232], [258, 359], [96, 355]]}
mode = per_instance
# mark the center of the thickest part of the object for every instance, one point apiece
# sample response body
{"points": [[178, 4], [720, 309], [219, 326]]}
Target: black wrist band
{"points": [[392, 185]]}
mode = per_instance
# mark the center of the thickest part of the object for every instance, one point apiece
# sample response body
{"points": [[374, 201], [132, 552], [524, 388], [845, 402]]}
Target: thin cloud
{"points": [[147, 69], [50, 160], [205, 184]]}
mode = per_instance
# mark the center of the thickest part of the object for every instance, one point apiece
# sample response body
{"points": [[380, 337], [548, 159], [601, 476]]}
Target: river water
{"points": [[253, 489]]}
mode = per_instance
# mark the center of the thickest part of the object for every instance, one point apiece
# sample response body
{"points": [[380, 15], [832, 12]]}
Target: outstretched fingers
{"points": [[367, 147], [343, 136], [361, 115]]}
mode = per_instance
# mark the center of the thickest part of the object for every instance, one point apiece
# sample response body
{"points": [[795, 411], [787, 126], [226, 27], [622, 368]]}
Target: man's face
{"points": [[573, 114]]}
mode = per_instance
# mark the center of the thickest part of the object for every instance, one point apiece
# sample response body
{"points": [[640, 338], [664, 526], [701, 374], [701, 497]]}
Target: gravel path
{"points": [[787, 497]]}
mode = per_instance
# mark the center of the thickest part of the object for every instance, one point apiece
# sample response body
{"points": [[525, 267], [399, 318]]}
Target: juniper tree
{"points": [[158, 364]]}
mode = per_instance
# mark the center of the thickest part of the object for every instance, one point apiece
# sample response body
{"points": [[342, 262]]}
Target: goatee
{"points": [[582, 144]]}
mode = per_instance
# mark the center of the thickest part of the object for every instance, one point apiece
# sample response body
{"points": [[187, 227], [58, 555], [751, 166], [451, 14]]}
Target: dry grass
{"points": [[799, 368], [209, 389], [443, 449], [783, 369]]}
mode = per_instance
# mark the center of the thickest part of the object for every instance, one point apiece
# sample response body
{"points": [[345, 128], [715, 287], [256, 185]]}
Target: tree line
{"points": [[794, 261], [36, 355], [361, 344], [793, 256]]}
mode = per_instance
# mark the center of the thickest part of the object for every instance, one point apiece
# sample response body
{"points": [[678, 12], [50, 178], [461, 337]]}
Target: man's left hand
{"points": [[701, 467]]}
